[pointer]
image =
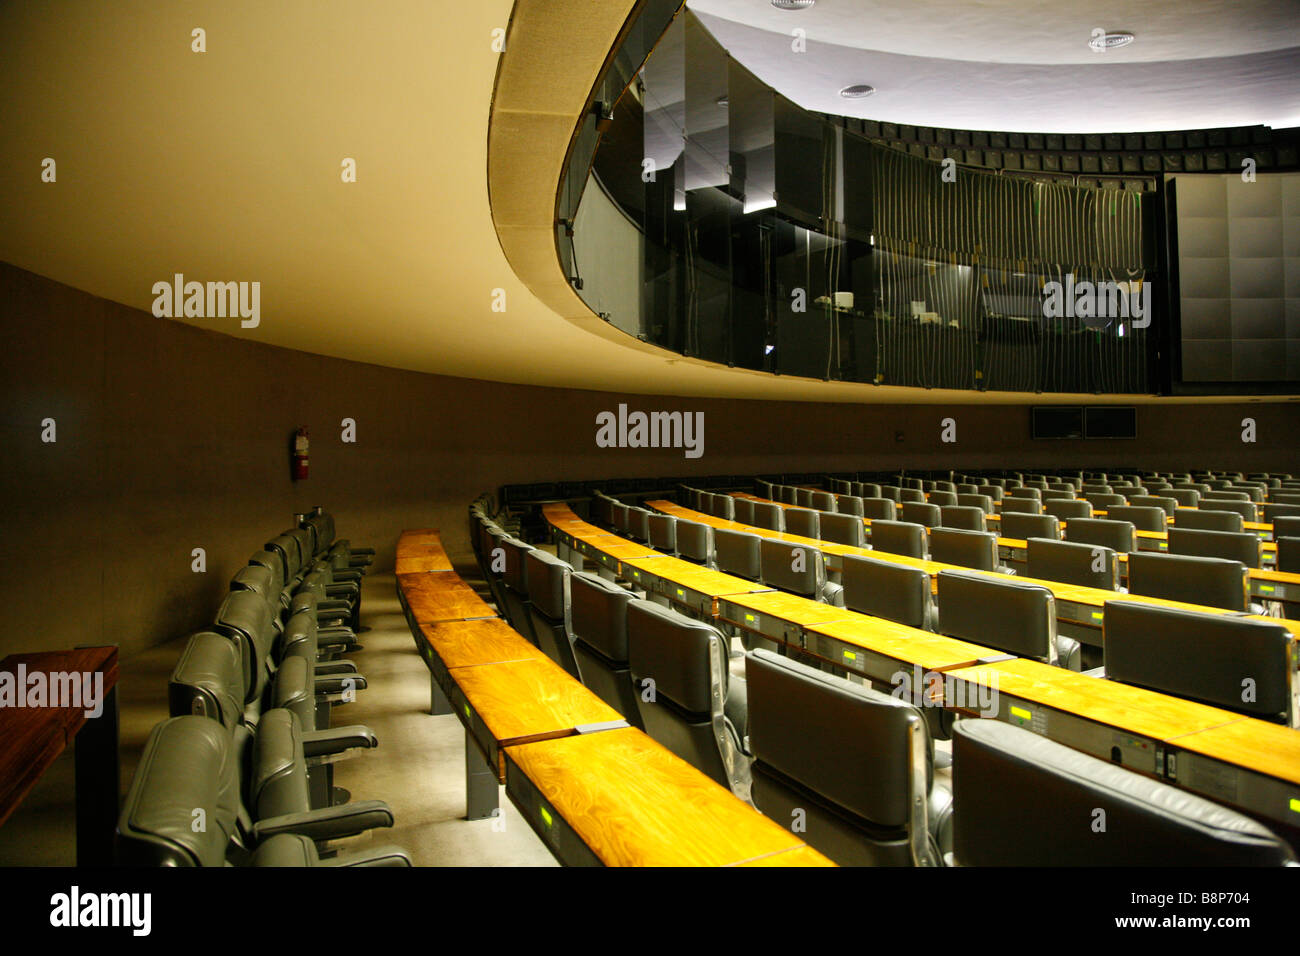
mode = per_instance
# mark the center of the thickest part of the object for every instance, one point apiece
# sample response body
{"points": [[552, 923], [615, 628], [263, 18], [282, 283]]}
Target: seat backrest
{"points": [[878, 509], [1068, 509], [188, 763], [737, 552], [1227, 494], [547, 580], [842, 529], [892, 492], [1287, 526], [694, 541], [962, 516], [1034, 493], [1288, 554], [618, 517], [1284, 497], [849, 505], [943, 498], [1088, 565], [1243, 546], [983, 502], [1030, 506], [1202, 656], [866, 489], [1214, 582], [869, 761], [662, 529], [803, 522], [1207, 520], [1143, 518], [927, 515], [1119, 536], [803, 497], [208, 680], [966, 549], [898, 537], [1058, 494], [278, 782], [1104, 502], [792, 567], [638, 524], [1022, 794], [245, 616], [911, 494], [1007, 615], [598, 615], [823, 501], [885, 589], [1167, 505], [768, 515], [1023, 526], [1247, 509], [274, 563], [679, 669], [743, 508], [1186, 497], [262, 581], [1271, 512]]}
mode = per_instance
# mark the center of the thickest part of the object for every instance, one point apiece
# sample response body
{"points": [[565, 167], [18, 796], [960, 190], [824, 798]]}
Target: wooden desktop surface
{"points": [[634, 803], [473, 643], [33, 737], [436, 597]]}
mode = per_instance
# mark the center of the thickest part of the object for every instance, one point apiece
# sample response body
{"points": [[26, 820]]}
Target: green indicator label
{"points": [[850, 656], [749, 619], [1098, 615], [1021, 714], [1295, 805], [546, 817], [681, 593], [1267, 588], [637, 575], [467, 711]]}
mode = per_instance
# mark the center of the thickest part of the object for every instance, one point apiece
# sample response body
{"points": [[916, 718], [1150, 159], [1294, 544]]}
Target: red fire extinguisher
{"points": [[300, 454]]}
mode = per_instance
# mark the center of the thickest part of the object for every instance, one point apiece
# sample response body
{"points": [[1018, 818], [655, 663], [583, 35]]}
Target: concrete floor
{"points": [[418, 768]]}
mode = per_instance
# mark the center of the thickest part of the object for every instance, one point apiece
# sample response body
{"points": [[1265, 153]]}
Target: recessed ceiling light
{"points": [[1101, 42], [857, 91], [793, 4]]}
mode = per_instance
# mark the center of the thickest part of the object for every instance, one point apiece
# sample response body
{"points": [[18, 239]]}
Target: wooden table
{"points": [[34, 736], [618, 798], [421, 550], [432, 597]]}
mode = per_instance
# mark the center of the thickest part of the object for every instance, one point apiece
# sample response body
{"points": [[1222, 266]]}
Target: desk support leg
{"points": [[481, 784], [98, 785], [438, 702]]}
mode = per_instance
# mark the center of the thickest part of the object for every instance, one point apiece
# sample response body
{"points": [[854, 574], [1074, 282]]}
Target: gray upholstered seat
{"points": [[898, 537], [966, 549], [1243, 546], [1214, 582], [1167, 505], [943, 498], [797, 569], [1023, 526], [1022, 506], [1119, 536], [514, 585], [1024, 800], [768, 515], [1066, 509], [548, 604], [1087, 565], [981, 501], [663, 532], [685, 694], [1007, 615], [803, 522], [598, 629], [1202, 519], [849, 505], [1272, 511], [842, 529], [694, 541], [1205, 657], [743, 508], [962, 516], [880, 509], [1247, 509], [853, 765], [1288, 554], [926, 515], [736, 552], [885, 589], [822, 501]]}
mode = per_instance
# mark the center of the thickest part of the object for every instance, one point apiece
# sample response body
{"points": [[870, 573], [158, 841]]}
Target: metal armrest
{"points": [[328, 823], [339, 683], [379, 856], [335, 740]]}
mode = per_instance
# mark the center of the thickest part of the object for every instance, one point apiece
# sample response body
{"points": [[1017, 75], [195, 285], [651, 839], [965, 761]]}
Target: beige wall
{"points": [[172, 438]]}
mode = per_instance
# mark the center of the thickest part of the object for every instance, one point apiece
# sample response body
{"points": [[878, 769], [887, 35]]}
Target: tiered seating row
{"points": [[597, 791]]}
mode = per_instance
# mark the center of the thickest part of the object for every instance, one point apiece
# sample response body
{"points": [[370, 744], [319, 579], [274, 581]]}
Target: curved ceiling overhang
{"points": [[1002, 65], [225, 166]]}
